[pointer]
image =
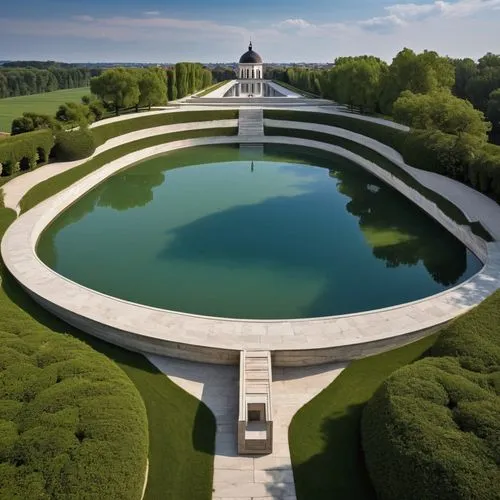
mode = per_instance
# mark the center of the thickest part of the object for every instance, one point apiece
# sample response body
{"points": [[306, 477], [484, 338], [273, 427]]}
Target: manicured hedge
{"points": [[385, 134], [25, 151], [72, 424], [73, 145], [449, 155], [432, 430], [484, 171], [107, 131]]}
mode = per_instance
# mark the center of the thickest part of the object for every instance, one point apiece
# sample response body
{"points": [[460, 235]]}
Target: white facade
{"points": [[250, 66], [250, 71]]}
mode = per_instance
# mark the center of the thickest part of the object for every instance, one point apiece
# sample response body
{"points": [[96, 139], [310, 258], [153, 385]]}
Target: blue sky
{"points": [[218, 30]]}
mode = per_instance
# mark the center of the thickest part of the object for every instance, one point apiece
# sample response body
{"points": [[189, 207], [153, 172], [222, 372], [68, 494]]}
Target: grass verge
{"points": [[324, 436], [210, 89], [55, 184], [450, 209], [301, 92]]}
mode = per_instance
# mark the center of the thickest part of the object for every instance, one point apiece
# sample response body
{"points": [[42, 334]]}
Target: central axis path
{"points": [[251, 122], [268, 477]]}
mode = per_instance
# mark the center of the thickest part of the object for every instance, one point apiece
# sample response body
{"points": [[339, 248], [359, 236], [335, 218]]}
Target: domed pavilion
{"points": [[250, 65]]}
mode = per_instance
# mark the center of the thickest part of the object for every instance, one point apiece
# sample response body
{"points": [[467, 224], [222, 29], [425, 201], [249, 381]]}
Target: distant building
{"points": [[250, 65]]}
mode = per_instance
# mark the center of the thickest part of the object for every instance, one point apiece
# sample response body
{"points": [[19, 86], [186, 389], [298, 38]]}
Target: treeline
{"points": [[187, 78], [222, 74], [21, 81], [303, 78], [371, 85]]}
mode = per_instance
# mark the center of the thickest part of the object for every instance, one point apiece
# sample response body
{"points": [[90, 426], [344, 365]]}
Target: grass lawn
{"points": [[47, 103], [325, 437]]}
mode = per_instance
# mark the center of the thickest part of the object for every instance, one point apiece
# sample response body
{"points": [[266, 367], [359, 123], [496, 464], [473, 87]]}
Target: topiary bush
{"points": [[72, 425], [432, 430], [74, 145]]}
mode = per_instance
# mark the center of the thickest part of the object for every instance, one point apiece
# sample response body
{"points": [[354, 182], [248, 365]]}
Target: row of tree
{"points": [[122, 88], [187, 78], [303, 78], [16, 82], [371, 85]]}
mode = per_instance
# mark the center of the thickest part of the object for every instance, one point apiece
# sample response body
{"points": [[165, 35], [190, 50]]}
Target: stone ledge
{"points": [[218, 340]]}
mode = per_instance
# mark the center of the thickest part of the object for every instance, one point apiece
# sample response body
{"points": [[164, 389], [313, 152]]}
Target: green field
{"points": [[12, 107]]}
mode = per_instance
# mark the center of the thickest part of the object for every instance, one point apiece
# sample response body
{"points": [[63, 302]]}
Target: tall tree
{"points": [[465, 69], [172, 84], [117, 88], [182, 80], [418, 73], [152, 88], [493, 110], [440, 110]]}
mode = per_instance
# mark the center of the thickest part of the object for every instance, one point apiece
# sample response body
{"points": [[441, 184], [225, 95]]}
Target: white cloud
{"points": [[152, 13], [294, 23], [383, 24], [84, 18], [402, 14]]}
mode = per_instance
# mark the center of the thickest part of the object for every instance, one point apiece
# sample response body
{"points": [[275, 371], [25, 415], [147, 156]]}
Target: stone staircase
{"points": [[255, 425], [251, 122]]}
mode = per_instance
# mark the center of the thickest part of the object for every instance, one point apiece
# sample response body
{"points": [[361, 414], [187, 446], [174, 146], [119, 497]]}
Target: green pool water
{"points": [[288, 233]]}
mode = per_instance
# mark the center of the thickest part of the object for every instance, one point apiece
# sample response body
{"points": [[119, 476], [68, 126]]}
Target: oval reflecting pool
{"points": [[288, 233]]}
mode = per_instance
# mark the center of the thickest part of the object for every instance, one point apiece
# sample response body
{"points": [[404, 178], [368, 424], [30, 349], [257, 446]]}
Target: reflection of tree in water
{"points": [[129, 189], [46, 246], [398, 232], [122, 191]]}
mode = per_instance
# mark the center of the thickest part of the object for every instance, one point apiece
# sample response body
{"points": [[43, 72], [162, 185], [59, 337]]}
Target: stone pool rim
{"points": [[295, 341]]}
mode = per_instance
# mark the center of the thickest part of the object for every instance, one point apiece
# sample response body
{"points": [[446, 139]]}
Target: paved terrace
{"points": [[246, 478], [219, 340]]}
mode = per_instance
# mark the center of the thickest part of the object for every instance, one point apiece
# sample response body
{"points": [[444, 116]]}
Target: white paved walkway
{"points": [[249, 478]]}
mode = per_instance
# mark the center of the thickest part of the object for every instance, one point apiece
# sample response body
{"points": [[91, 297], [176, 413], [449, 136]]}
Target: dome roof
{"points": [[250, 57]]}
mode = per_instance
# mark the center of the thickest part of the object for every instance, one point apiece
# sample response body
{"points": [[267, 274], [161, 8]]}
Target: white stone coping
{"points": [[155, 327], [283, 90], [219, 92]]}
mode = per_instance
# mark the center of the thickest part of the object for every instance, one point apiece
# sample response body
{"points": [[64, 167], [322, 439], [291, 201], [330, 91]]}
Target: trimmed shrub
{"points": [[484, 171], [74, 145], [432, 430], [72, 425], [25, 151], [113, 129]]}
